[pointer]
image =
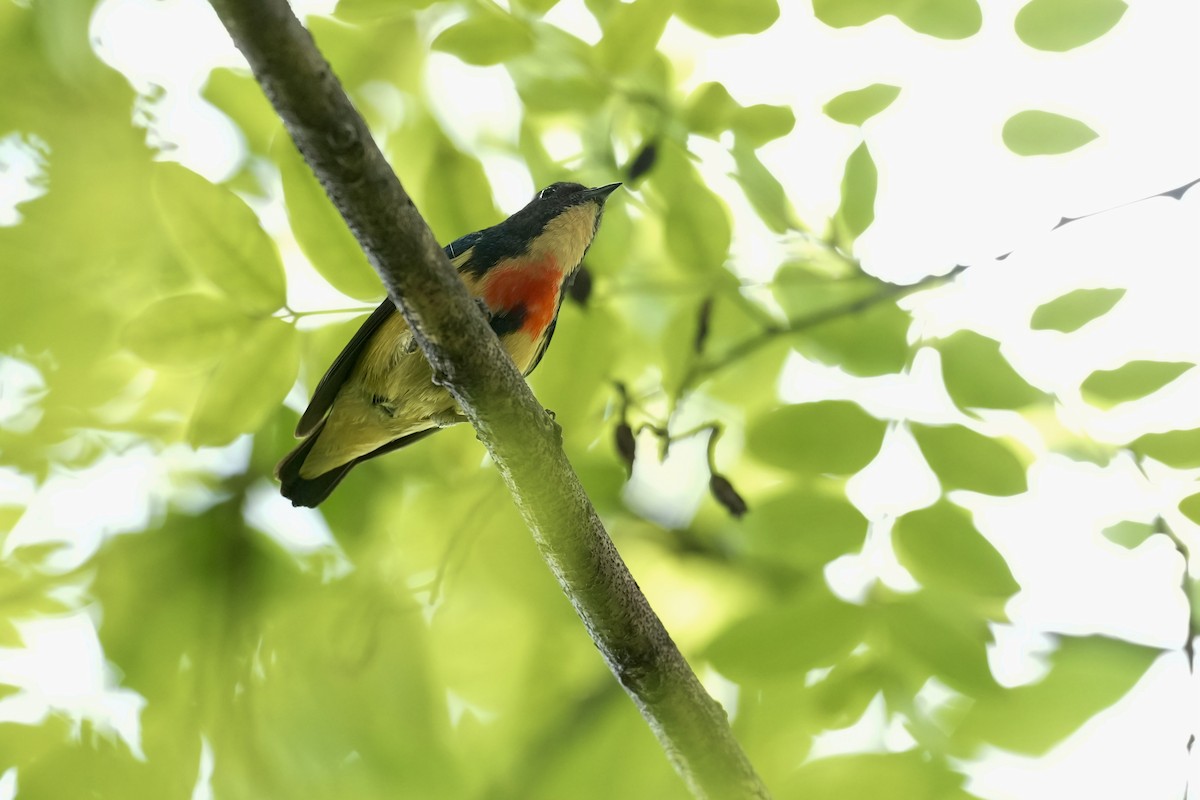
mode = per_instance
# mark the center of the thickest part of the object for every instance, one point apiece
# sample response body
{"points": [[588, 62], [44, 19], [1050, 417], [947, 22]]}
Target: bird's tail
{"points": [[307, 491], [311, 492]]}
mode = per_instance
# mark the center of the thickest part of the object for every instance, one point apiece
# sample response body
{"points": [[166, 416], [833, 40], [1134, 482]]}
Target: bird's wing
{"points": [[458, 251], [335, 376]]}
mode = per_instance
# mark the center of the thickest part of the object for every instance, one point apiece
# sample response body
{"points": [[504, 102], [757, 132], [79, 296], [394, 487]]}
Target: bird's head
{"points": [[559, 224]]}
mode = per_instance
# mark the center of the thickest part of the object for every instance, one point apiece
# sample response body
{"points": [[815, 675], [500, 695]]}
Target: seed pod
{"points": [[643, 161], [581, 286], [724, 493], [702, 320], [626, 445]]}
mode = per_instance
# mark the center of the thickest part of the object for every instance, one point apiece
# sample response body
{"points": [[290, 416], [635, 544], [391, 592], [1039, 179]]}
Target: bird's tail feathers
{"points": [[307, 492], [310, 492]]}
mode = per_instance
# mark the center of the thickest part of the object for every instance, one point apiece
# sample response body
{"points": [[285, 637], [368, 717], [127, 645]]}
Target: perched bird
{"points": [[379, 394]]}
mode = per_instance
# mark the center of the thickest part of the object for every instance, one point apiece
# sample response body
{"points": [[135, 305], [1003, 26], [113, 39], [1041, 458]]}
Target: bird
{"points": [[379, 395]]}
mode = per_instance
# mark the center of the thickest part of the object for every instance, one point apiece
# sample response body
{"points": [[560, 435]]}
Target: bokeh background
{"points": [[929, 268]]}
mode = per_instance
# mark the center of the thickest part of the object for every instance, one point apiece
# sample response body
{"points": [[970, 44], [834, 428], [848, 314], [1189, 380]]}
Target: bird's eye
{"points": [[549, 191]]}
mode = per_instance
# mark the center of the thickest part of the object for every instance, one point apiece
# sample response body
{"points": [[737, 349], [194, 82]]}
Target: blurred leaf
{"points": [[458, 197], [858, 106], [946, 19], [187, 330], [804, 529], [1074, 310], [831, 436], [390, 49], [488, 37], [978, 376], [1106, 387], [218, 235], [942, 549], [697, 225], [857, 209], [1190, 507], [729, 17], [236, 93], [631, 34], [879, 776], [710, 109], [1086, 676], [760, 124], [942, 638], [319, 228], [807, 289], [537, 6], [1042, 133], [1179, 449], [764, 191], [1129, 534], [841, 698], [1061, 25], [371, 10], [964, 459], [814, 630], [870, 342], [248, 385]]}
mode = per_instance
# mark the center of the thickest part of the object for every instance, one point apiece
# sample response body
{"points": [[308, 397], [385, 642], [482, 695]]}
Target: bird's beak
{"points": [[601, 193]]}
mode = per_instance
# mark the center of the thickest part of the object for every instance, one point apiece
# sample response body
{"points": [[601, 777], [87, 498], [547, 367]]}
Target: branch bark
{"points": [[467, 358]]}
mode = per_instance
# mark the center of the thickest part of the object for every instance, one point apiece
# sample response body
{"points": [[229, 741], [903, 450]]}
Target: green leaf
{"points": [[697, 225], [857, 209], [804, 529], [978, 376], [319, 228], [764, 191], [964, 459], [1061, 25], [489, 37], [631, 34], [729, 17], [945, 19], [815, 630], [537, 6], [188, 330], [1086, 676], [858, 106], [761, 123], [942, 549], [1130, 381], [360, 11], [939, 636], [1072, 311], [248, 385], [218, 235], [457, 197], [832, 436], [710, 110], [870, 342], [1042, 133], [1129, 534], [237, 94], [1190, 507], [1179, 449], [879, 776]]}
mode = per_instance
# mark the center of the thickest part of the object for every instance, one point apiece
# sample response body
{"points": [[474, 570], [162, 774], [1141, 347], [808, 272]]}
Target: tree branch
{"points": [[702, 369], [467, 359]]}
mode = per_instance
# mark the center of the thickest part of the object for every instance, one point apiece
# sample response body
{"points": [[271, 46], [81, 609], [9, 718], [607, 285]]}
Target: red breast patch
{"points": [[532, 284]]}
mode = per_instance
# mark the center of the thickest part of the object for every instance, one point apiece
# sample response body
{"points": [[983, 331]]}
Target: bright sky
{"points": [[949, 193]]}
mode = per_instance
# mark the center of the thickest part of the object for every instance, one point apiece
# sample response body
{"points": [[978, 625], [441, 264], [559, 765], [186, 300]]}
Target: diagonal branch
{"points": [[467, 358]]}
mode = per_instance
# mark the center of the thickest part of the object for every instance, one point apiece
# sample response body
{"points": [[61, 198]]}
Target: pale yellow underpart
{"points": [[392, 368]]}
